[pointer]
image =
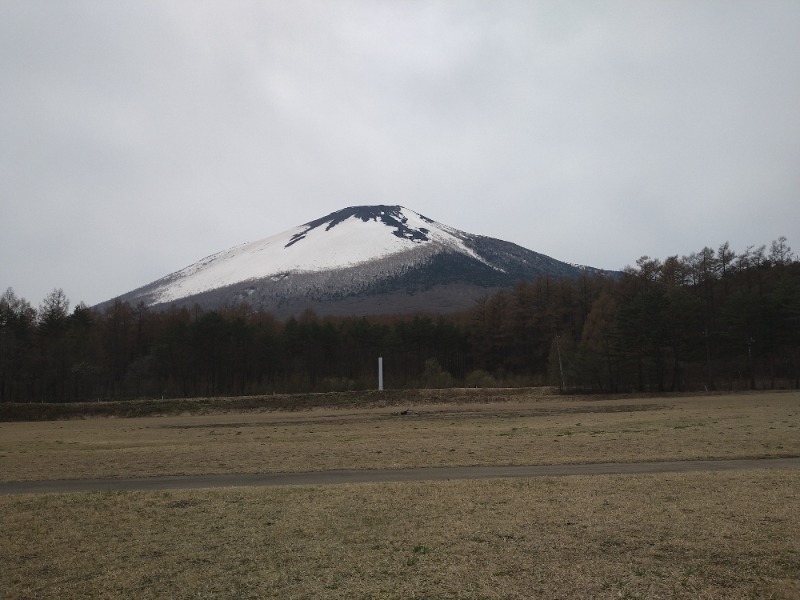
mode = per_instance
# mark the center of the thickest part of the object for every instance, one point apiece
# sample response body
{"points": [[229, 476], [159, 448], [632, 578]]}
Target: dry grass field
{"points": [[536, 430], [692, 535]]}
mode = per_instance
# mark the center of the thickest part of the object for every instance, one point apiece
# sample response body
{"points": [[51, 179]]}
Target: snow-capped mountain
{"points": [[358, 260]]}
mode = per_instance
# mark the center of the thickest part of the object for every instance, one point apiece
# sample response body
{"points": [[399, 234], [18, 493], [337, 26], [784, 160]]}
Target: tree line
{"points": [[713, 319]]}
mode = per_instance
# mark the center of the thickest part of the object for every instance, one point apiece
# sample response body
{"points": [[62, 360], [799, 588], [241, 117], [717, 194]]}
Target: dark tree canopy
{"points": [[709, 320]]}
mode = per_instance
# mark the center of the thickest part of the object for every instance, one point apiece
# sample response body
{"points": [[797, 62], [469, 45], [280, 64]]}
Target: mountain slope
{"points": [[358, 260]]}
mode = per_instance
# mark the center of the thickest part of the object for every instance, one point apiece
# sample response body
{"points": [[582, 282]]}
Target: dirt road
{"points": [[387, 475]]}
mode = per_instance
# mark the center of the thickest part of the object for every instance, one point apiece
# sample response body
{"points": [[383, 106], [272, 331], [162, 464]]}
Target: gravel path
{"points": [[386, 475]]}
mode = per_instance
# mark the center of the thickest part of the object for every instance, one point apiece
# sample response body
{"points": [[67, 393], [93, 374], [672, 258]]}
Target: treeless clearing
{"points": [[523, 431], [690, 535]]}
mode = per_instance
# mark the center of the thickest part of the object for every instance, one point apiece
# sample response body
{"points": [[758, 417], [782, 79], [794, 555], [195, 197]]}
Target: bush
{"points": [[434, 377]]}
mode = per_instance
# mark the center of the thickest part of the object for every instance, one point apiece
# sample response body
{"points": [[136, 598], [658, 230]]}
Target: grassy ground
{"points": [[286, 402], [726, 535], [694, 535], [532, 430]]}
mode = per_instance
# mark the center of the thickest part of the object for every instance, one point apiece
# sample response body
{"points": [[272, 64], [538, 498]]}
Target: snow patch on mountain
{"points": [[341, 240], [358, 260]]}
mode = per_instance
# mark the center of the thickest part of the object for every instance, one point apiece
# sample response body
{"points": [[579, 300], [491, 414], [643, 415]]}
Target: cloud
{"points": [[138, 137]]}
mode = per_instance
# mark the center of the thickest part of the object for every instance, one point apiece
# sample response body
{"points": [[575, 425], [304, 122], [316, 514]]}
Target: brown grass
{"points": [[694, 535], [726, 535], [533, 430], [287, 402]]}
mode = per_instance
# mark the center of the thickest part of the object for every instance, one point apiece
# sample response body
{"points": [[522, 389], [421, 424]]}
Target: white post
{"points": [[560, 367], [380, 373]]}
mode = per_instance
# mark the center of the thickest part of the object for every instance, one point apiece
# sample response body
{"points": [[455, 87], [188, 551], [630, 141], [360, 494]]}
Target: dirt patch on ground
{"points": [[387, 476]]}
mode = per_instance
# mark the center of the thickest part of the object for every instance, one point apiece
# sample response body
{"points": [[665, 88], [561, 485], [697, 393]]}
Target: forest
{"points": [[712, 320]]}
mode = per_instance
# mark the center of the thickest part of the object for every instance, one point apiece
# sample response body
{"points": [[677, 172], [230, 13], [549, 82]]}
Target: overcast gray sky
{"points": [[141, 136]]}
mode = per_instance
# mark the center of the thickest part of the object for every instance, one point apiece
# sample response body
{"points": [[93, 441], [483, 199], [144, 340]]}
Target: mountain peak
{"points": [[357, 260], [393, 217]]}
